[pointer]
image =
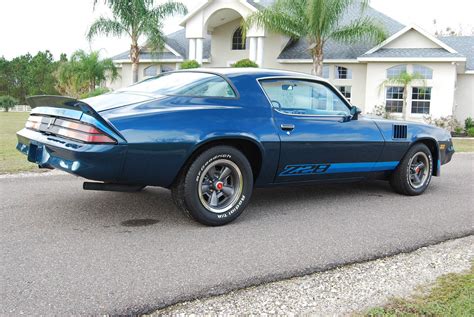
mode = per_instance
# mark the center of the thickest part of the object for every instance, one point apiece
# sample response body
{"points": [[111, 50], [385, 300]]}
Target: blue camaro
{"points": [[212, 135]]}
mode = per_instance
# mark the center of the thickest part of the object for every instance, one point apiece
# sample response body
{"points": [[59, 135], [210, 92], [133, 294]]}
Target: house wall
{"points": [[442, 92], [412, 39], [222, 54], [464, 97]]}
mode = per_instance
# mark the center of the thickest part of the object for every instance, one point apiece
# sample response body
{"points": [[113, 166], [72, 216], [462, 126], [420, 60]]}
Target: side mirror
{"points": [[355, 112]]}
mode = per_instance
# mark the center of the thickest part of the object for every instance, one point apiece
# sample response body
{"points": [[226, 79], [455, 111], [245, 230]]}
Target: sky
{"points": [[60, 25]]}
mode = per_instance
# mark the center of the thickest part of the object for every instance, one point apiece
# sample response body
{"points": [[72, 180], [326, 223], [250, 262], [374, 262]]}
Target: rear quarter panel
{"points": [[163, 134]]}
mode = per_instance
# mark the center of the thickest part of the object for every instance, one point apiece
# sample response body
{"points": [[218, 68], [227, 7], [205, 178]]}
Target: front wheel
{"points": [[413, 174], [216, 187]]}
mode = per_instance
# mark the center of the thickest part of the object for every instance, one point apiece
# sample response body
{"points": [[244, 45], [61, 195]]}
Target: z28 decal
{"points": [[304, 169], [313, 169]]}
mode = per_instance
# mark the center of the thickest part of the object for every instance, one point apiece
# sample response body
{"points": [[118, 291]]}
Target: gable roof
{"points": [[417, 29], [464, 45]]}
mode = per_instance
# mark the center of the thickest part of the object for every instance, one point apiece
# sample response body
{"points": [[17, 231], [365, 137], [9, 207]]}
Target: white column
{"points": [[199, 50], [192, 49], [253, 49], [260, 51]]}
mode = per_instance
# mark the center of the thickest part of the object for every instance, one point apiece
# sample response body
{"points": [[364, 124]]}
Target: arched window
{"points": [[150, 71], [238, 42], [395, 71], [424, 71]]}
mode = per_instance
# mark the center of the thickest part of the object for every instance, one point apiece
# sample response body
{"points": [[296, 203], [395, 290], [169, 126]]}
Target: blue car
{"points": [[212, 135]]}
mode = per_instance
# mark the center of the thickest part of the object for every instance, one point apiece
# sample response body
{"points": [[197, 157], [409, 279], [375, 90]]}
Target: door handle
{"points": [[287, 127]]}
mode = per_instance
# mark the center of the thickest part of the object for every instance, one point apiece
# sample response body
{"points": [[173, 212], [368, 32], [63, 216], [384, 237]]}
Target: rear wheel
{"points": [[216, 187], [413, 174]]}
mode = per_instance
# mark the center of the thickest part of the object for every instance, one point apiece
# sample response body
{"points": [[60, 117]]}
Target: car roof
{"points": [[233, 72]]}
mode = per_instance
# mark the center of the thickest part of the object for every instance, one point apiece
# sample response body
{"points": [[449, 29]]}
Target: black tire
{"points": [[211, 200], [404, 179]]}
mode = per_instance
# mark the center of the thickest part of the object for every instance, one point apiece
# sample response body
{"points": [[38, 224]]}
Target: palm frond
{"points": [[107, 27], [361, 29], [283, 17]]}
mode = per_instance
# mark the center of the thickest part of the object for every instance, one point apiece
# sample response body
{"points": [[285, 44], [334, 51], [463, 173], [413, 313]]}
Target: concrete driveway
{"points": [[68, 251]]}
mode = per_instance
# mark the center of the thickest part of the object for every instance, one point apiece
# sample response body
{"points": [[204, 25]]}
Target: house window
{"points": [[346, 91], [421, 98], [167, 68], [395, 71], [238, 41], [424, 71], [325, 73], [343, 73], [394, 99], [150, 71]]}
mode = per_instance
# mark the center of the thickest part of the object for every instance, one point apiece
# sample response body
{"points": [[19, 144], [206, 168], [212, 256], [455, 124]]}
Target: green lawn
{"points": [[11, 160], [451, 295], [463, 145]]}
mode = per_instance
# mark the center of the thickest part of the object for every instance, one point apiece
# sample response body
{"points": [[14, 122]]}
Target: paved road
{"points": [[65, 251]]}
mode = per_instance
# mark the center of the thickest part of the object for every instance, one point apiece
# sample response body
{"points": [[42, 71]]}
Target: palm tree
{"points": [[317, 21], [405, 80], [136, 18], [84, 71]]}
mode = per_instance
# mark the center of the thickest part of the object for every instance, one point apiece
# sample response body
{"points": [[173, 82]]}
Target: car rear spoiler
{"points": [[68, 107], [60, 102]]}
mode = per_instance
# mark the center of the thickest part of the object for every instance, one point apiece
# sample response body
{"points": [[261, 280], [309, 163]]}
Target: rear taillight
{"points": [[76, 130]]}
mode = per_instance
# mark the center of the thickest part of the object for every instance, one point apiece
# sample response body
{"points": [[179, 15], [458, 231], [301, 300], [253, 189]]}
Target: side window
{"points": [[300, 97]]}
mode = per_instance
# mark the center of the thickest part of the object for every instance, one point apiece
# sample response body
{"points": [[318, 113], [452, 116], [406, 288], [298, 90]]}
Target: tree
{"points": [[7, 102], [41, 70], [136, 18], [20, 78], [84, 72], [317, 21], [405, 80]]}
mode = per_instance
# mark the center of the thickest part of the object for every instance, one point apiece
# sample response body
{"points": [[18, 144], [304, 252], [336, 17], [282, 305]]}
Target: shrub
{"points": [[458, 130], [381, 111], [470, 132], [96, 92], [190, 64], [245, 63], [468, 123], [449, 122], [7, 102]]}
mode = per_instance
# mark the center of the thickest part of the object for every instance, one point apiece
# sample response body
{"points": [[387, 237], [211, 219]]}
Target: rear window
{"points": [[194, 84]]}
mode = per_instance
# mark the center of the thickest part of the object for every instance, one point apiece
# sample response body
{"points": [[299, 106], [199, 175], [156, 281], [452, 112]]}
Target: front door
{"points": [[319, 141]]}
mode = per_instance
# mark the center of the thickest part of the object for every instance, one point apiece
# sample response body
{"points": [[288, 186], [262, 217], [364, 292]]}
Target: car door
{"points": [[319, 138]]}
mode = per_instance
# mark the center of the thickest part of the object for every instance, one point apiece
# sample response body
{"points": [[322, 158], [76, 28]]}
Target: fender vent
{"points": [[399, 131]]}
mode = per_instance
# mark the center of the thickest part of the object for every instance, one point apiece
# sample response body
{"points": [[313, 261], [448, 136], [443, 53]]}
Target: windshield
{"points": [[194, 84]]}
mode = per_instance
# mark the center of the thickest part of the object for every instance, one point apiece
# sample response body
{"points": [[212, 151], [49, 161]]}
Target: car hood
{"points": [[116, 100]]}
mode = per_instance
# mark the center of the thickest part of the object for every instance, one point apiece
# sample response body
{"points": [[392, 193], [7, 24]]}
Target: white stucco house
{"points": [[211, 35]]}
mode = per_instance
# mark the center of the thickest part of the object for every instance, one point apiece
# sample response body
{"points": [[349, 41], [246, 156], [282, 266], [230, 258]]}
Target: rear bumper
{"points": [[101, 162]]}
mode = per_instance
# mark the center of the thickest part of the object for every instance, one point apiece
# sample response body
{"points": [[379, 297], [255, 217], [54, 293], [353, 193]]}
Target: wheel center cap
{"points": [[219, 185]]}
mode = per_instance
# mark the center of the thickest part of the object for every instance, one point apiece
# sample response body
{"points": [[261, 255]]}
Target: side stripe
{"points": [[332, 168]]}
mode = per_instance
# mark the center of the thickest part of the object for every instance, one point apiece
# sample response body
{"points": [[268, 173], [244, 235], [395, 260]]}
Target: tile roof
{"points": [[463, 45]]}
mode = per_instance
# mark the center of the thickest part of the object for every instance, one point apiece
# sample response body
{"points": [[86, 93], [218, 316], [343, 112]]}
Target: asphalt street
{"points": [[69, 251]]}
